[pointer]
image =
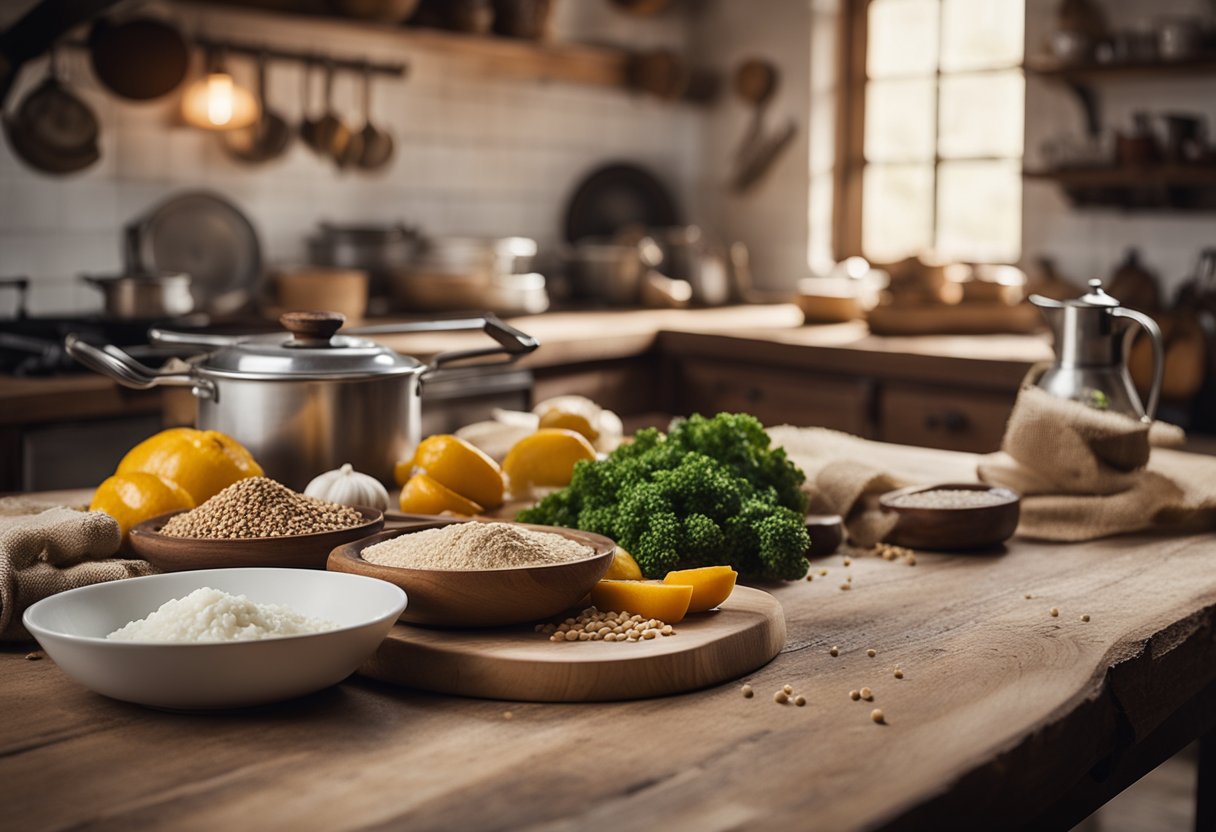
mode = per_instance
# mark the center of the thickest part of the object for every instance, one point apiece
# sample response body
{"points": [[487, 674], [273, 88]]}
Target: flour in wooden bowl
{"points": [[475, 545]]}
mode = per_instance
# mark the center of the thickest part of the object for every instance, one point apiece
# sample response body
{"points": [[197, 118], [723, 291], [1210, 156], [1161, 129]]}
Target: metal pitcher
{"points": [[1093, 335]]}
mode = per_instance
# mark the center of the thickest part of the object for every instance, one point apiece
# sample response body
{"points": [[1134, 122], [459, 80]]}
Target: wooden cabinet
{"points": [[774, 396], [943, 417]]}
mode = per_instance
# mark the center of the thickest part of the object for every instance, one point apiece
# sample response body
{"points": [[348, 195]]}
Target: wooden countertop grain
{"points": [[1003, 713]]}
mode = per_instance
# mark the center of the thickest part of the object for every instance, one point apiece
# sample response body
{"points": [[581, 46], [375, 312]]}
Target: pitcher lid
{"points": [[1096, 296]]}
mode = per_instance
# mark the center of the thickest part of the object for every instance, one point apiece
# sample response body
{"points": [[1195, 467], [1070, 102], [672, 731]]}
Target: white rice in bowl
{"points": [[209, 615]]}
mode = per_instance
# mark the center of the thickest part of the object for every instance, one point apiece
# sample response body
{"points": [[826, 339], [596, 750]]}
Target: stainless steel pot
{"points": [[312, 399], [144, 296]]}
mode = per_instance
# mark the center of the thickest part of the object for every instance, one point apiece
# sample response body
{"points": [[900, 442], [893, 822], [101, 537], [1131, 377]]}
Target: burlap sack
{"points": [[1085, 473], [52, 551]]}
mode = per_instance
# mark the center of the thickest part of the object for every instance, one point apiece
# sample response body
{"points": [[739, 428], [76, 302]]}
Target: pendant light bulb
{"points": [[217, 102]]}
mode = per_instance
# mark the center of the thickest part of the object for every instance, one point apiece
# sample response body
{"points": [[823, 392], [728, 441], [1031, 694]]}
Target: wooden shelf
{"points": [[594, 65], [1049, 68], [1156, 188], [1145, 177]]}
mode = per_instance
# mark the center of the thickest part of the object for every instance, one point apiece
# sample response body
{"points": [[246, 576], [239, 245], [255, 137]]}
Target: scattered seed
{"points": [[1085, 618], [781, 697], [854, 695], [899, 674], [866, 694], [799, 700], [911, 559], [1055, 613], [823, 572], [810, 577], [877, 716], [1028, 596], [835, 651], [871, 652], [848, 579], [848, 562], [34, 656], [748, 693], [789, 689], [846, 586], [507, 715]]}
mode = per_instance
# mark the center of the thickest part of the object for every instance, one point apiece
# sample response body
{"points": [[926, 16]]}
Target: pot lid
{"points": [[310, 349], [1095, 298]]}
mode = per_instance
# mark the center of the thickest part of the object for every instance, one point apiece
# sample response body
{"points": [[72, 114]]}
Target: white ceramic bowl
{"points": [[72, 629]]}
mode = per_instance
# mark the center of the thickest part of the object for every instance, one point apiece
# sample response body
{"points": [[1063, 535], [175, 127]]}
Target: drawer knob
{"points": [[950, 421]]}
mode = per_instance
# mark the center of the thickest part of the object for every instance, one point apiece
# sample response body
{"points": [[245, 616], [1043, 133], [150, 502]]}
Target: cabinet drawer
{"points": [[943, 418], [775, 397]]}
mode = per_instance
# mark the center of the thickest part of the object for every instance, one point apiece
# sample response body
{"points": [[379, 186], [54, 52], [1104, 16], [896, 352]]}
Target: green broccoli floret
{"points": [[710, 492]]}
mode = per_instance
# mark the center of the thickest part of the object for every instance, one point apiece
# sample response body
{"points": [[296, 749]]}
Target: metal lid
{"points": [[310, 350], [1096, 296]]}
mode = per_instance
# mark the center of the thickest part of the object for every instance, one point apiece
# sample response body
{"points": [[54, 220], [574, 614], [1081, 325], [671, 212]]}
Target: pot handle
{"points": [[1154, 333], [512, 342], [113, 362]]}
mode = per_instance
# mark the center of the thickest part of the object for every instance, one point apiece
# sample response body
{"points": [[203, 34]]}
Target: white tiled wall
{"points": [[476, 155], [1090, 243]]}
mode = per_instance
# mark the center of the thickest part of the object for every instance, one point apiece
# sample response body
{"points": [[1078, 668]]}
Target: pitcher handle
{"points": [[1154, 333]]}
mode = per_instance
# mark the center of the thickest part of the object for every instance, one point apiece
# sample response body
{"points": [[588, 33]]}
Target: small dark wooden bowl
{"points": [[458, 598], [953, 529], [303, 551]]}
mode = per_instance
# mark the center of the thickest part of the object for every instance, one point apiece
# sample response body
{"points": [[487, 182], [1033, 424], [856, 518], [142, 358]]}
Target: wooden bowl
{"points": [[979, 527], [303, 551], [459, 598]]}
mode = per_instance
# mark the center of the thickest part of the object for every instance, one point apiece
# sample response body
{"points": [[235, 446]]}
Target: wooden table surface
{"points": [[1005, 715]]}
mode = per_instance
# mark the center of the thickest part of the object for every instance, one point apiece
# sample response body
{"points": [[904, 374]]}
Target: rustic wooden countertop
{"points": [[1006, 716], [771, 334]]}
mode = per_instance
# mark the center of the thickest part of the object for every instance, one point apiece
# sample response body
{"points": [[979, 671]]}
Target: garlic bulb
{"points": [[349, 488]]}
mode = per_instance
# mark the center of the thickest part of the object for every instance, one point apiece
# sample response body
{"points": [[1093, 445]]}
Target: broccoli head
{"points": [[710, 492]]}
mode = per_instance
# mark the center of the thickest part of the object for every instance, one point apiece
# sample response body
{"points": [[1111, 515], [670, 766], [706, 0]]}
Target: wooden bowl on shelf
{"points": [[303, 551], [952, 528], [465, 598]]}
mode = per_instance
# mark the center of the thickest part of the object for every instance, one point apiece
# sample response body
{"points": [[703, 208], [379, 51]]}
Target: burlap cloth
{"points": [[1082, 473], [1086, 473], [51, 551]]}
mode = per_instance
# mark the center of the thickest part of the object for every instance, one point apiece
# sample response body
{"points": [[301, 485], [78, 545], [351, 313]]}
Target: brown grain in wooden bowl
{"points": [[463, 598], [304, 551], [953, 529]]}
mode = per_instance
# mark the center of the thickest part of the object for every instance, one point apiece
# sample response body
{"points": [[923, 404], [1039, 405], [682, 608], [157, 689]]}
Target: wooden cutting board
{"points": [[519, 664]]}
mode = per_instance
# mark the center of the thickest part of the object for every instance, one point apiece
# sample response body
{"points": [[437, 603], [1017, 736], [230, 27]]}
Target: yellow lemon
{"points": [[423, 494], [623, 568], [135, 497], [545, 458], [202, 462], [462, 467], [402, 471], [711, 585], [576, 422]]}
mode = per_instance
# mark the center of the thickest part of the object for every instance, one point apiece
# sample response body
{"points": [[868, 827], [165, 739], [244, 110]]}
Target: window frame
{"points": [[852, 45]]}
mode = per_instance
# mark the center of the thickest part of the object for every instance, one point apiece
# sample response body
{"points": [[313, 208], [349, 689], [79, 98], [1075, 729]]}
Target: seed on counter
{"points": [[507, 715], [34, 656], [846, 586], [822, 572], [1085, 618], [747, 691], [1054, 612], [834, 651], [855, 695], [911, 560], [789, 689], [810, 577], [1028, 596], [871, 652], [848, 579], [866, 694], [899, 674], [848, 562], [781, 697], [878, 716], [799, 700]]}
